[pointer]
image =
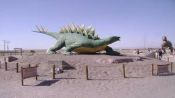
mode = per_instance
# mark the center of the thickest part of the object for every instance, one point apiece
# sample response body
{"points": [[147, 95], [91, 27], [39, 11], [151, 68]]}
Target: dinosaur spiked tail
{"points": [[54, 35], [45, 31]]}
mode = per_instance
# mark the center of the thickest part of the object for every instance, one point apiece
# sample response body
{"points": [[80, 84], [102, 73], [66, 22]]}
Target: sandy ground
{"points": [[106, 78]]}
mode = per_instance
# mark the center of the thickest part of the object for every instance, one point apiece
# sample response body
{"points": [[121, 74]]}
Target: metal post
{"points": [[4, 46], [15, 51], [7, 47], [21, 52]]}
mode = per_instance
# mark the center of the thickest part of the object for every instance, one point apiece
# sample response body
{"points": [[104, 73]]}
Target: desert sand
{"points": [[105, 74]]}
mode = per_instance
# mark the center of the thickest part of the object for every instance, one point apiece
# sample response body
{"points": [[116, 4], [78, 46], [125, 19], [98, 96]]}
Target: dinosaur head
{"points": [[114, 39]]}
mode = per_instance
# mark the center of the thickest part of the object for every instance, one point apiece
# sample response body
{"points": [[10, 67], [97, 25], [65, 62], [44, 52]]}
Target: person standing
{"points": [[137, 52], [160, 53]]}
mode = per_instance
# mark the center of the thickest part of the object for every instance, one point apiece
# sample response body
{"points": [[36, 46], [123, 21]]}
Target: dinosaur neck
{"points": [[101, 42]]}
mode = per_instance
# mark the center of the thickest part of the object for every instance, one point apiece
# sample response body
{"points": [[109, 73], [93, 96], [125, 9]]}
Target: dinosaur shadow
{"points": [[47, 83], [115, 53]]}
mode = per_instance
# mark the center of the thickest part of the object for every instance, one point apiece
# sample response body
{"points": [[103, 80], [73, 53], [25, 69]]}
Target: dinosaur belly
{"points": [[90, 50]]}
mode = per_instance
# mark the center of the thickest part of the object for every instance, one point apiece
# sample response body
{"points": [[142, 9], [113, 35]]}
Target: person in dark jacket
{"points": [[160, 53]]}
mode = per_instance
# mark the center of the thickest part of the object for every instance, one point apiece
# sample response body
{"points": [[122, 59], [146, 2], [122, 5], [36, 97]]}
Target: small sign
{"points": [[18, 50], [28, 72], [162, 69]]}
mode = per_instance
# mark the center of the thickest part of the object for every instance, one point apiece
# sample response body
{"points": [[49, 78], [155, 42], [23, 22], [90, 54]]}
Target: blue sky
{"points": [[135, 21]]}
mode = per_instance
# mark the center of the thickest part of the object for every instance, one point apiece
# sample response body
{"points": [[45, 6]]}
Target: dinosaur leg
{"points": [[171, 49], [57, 46], [70, 48], [110, 51]]}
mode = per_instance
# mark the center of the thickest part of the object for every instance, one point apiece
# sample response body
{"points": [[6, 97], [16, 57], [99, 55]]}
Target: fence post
{"points": [[86, 72], [17, 67], [152, 67], [22, 80], [124, 74], [36, 74], [4, 59], [168, 59], [29, 65], [5, 66], [171, 66], [53, 74], [0, 64]]}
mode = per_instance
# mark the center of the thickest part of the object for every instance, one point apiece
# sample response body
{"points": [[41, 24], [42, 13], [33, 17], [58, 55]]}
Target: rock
{"points": [[11, 59], [123, 60], [61, 64], [118, 60]]}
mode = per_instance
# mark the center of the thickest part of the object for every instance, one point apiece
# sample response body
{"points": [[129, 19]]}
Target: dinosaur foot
{"points": [[67, 53], [110, 51], [51, 52]]}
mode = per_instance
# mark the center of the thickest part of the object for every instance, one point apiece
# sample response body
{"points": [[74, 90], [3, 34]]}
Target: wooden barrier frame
{"points": [[6, 66], [124, 69], [28, 72], [86, 70]]}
